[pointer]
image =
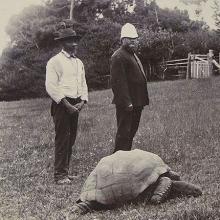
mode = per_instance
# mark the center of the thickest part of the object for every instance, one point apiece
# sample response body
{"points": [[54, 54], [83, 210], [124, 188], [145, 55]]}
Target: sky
{"points": [[206, 8], [7, 9], [11, 7]]}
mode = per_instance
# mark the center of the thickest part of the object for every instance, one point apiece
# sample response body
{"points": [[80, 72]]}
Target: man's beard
{"points": [[133, 48]]}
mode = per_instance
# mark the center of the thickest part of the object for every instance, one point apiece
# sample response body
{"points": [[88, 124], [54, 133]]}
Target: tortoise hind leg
{"points": [[182, 188], [172, 175]]}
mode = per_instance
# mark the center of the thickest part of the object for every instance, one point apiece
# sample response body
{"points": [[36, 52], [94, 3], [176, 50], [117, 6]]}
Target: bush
{"points": [[97, 46]]}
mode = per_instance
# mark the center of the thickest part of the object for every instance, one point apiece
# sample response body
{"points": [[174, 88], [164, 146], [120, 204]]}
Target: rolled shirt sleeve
{"points": [[52, 79], [84, 95]]}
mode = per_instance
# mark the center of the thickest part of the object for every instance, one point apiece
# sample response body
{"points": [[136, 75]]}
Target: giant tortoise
{"points": [[125, 175]]}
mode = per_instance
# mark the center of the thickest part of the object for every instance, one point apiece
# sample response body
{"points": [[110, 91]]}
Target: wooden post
{"points": [[194, 67], [71, 10], [188, 72], [219, 57], [150, 70], [210, 58], [109, 82]]}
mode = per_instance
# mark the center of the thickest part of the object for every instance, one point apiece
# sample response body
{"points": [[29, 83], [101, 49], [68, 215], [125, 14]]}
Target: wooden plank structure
{"points": [[200, 69], [195, 66], [180, 65], [201, 65]]}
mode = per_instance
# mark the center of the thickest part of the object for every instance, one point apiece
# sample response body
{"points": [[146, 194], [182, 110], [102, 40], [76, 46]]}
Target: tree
{"points": [[71, 10], [175, 20], [164, 34], [87, 10], [96, 48], [217, 15]]}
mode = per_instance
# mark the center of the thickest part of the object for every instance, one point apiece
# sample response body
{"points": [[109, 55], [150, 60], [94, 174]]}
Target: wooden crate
{"points": [[200, 69]]}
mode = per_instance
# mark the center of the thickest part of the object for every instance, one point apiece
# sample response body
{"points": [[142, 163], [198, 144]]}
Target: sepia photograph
{"points": [[110, 110]]}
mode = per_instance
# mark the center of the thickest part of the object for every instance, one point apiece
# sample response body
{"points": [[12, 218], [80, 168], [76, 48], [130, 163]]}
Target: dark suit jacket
{"points": [[128, 81]]}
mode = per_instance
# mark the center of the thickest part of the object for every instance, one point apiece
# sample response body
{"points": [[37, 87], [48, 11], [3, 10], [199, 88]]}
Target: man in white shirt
{"points": [[66, 85]]}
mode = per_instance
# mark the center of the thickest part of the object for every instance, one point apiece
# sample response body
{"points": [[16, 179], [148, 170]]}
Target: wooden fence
{"points": [[200, 66], [178, 67], [194, 66]]}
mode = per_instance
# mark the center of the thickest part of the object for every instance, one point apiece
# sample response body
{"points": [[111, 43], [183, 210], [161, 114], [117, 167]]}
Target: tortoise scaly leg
{"points": [[173, 175], [82, 208]]}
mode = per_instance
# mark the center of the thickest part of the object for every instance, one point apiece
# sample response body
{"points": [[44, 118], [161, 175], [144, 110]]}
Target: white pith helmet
{"points": [[128, 30]]}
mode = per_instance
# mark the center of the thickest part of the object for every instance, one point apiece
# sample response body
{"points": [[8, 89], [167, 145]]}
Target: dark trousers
{"points": [[127, 123], [65, 136]]}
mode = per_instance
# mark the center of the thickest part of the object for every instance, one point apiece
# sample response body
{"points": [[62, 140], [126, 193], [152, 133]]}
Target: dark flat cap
{"points": [[66, 33]]}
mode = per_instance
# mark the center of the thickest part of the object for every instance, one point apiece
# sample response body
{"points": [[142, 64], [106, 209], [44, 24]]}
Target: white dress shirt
{"points": [[65, 77]]}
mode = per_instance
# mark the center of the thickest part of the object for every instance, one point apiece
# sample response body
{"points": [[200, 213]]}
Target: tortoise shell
{"points": [[122, 176]]}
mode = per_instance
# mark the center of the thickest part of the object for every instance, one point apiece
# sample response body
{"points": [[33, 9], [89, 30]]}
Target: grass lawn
{"points": [[181, 124]]}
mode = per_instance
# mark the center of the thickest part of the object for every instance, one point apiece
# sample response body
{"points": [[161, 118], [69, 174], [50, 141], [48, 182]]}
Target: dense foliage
{"points": [[164, 34]]}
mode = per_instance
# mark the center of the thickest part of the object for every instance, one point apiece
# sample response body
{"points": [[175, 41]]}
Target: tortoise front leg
{"points": [[82, 208], [162, 190]]}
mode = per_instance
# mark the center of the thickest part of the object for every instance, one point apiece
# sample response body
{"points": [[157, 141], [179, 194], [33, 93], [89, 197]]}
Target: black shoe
{"points": [[72, 177], [63, 181]]}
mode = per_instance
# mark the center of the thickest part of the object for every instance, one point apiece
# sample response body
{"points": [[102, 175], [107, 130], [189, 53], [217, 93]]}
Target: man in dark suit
{"points": [[129, 86]]}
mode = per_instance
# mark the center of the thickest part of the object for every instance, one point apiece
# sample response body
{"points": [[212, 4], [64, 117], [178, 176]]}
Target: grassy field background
{"points": [[182, 125]]}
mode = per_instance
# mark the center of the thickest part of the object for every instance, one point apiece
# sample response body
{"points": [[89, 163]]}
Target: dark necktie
{"points": [[140, 65], [72, 56]]}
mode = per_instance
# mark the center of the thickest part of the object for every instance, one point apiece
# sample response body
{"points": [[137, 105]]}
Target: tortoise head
{"points": [[184, 188]]}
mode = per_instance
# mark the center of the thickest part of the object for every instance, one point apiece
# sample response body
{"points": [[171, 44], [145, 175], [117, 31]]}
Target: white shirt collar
{"points": [[67, 54]]}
